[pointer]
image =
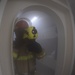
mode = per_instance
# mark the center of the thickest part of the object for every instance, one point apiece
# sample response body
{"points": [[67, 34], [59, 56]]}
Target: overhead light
{"points": [[34, 19]]}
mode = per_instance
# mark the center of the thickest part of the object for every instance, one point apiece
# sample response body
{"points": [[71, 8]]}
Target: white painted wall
{"points": [[2, 6], [0, 71]]}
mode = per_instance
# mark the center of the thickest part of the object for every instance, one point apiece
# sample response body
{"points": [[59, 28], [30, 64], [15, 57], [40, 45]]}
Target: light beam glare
{"points": [[34, 19]]}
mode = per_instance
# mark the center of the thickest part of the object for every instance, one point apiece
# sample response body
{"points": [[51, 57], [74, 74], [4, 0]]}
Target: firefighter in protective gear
{"points": [[26, 49]]}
